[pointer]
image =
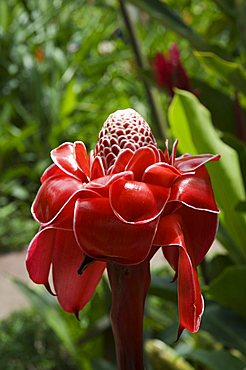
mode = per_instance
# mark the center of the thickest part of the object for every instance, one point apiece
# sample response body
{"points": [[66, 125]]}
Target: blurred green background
{"points": [[64, 67]]}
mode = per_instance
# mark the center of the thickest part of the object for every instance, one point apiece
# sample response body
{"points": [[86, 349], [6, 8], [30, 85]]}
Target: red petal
{"points": [[55, 201], [51, 171], [161, 174], [52, 196], [166, 152], [101, 185], [190, 302], [137, 202], [169, 231], [97, 169], [172, 256], [82, 157], [142, 158], [73, 290], [199, 229], [122, 161], [193, 162], [195, 191], [102, 235], [157, 152], [39, 255], [174, 151], [65, 158]]}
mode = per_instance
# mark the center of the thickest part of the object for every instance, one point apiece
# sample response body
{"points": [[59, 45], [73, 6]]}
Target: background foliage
{"points": [[64, 67]]}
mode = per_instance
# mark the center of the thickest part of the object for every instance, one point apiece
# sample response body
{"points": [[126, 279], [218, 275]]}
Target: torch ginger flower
{"points": [[169, 72], [114, 209]]}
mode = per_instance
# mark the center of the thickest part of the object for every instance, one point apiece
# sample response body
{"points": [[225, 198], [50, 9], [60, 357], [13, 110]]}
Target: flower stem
{"points": [[129, 288]]}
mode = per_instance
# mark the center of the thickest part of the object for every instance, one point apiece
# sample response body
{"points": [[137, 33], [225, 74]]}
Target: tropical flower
{"points": [[114, 208], [169, 71]]}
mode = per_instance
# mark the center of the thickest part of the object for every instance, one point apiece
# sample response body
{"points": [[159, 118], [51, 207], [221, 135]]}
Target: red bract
{"points": [[117, 207], [169, 71]]}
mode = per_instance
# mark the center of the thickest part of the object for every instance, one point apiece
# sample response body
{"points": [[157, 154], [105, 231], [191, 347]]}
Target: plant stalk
{"points": [[129, 288], [155, 109]]}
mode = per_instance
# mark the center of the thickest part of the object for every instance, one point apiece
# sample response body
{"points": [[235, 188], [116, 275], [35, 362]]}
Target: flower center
{"points": [[123, 129]]}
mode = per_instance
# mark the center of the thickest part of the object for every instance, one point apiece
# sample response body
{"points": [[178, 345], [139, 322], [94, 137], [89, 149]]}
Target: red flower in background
{"points": [[169, 71], [118, 206], [40, 54]]}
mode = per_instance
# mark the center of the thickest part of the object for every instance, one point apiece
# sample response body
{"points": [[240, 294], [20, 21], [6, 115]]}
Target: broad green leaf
{"points": [[229, 290], [231, 72], [191, 123], [216, 360], [225, 326]]}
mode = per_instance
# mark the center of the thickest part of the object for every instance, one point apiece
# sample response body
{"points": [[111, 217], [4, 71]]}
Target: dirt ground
{"points": [[11, 265]]}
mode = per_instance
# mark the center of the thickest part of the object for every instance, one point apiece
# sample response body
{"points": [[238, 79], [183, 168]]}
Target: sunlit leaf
{"points": [[230, 72], [191, 123]]}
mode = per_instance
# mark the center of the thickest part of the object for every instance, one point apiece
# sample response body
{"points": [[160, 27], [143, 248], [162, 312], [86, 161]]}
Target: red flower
{"points": [[40, 54], [117, 207], [169, 72]]}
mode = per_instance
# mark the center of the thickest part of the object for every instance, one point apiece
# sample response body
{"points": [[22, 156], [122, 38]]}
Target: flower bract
{"points": [[119, 205]]}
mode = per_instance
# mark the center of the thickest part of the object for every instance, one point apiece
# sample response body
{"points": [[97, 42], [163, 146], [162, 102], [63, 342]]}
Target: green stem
{"points": [[129, 288], [156, 111]]}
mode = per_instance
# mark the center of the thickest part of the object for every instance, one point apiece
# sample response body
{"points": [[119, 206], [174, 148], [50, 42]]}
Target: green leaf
{"points": [[241, 22], [241, 207], [225, 326], [220, 105], [69, 101], [217, 360], [229, 289], [191, 123], [102, 364], [4, 16], [217, 265], [47, 307], [231, 72], [240, 147], [172, 20], [163, 356], [227, 6], [163, 287]]}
